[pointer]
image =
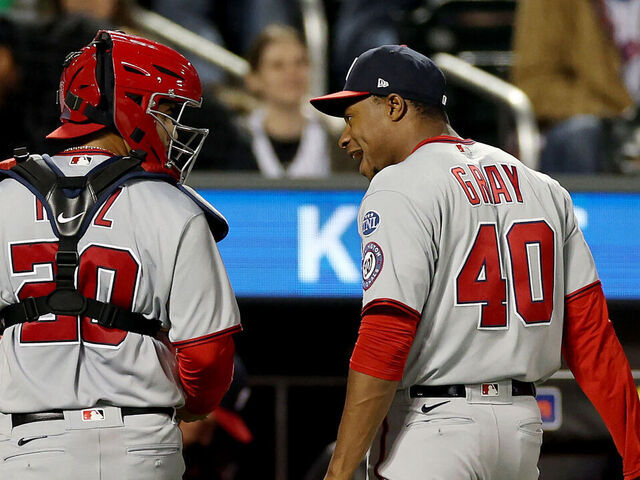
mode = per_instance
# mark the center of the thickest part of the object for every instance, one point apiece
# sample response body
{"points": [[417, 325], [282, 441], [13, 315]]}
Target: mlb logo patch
{"points": [[550, 404], [489, 390], [93, 415], [80, 161]]}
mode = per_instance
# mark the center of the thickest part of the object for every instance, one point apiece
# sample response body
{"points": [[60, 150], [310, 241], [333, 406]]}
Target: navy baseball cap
{"points": [[384, 70]]}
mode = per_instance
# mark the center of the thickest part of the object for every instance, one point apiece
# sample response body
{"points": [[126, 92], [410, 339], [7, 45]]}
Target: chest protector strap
{"points": [[72, 202]]}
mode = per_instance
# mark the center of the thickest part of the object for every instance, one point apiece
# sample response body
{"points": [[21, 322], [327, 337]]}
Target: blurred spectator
{"points": [[364, 24], [228, 146], [12, 127], [195, 15], [235, 24], [39, 48], [288, 138], [578, 62], [214, 447]]}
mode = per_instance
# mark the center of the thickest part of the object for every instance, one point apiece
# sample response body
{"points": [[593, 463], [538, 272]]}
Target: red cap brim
{"points": [[233, 424], [335, 104], [73, 130]]}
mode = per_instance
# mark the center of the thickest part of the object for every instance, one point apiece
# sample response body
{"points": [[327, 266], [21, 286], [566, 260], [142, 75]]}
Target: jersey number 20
{"points": [[531, 257], [99, 267]]}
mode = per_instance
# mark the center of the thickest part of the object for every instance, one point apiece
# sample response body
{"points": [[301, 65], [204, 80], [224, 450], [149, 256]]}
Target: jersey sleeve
{"points": [[201, 305], [398, 251], [579, 267], [596, 358]]}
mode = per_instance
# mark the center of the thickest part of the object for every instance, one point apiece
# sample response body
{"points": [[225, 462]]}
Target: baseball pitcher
{"points": [[476, 280]]}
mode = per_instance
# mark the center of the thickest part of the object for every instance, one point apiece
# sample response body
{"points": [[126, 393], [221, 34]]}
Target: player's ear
{"points": [[396, 106]]}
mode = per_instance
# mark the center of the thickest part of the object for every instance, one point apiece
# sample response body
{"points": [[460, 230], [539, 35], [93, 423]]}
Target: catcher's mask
{"points": [[120, 81]]}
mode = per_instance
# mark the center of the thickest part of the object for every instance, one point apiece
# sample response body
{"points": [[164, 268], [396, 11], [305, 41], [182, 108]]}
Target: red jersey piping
{"points": [[444, 139], [208, 337], [581, 291], [390, 303]]}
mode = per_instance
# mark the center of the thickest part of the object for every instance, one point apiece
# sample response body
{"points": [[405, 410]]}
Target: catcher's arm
{"points": [[206, 371]]}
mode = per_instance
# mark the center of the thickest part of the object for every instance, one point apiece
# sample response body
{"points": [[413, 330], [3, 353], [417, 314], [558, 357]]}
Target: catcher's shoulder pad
{"points": [[217, 223]]}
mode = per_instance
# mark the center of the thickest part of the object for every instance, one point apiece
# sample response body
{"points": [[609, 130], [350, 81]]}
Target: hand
{"points": [[200, 432], [186, 416]]}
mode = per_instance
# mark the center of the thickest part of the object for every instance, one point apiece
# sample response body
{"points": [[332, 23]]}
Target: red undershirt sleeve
{"points": [[598, 362], [7, 164], [206, 371], [384, 339]]}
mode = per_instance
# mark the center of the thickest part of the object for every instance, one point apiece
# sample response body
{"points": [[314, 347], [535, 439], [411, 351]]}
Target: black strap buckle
{"points": [[31, 313], [20, 154], [67, 259], [108, 315], [66, 301]]}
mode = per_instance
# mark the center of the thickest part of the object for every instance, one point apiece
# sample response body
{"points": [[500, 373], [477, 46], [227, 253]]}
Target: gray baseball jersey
{"points": [[481, 247], [483, 250], [149, 247]]}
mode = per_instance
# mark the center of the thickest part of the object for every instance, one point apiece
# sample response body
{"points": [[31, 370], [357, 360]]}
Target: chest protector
{"points": [[74, 200]]}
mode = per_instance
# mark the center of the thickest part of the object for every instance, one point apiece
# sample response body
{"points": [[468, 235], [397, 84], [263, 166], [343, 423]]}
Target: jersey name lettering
{"points": [[489, 185]]}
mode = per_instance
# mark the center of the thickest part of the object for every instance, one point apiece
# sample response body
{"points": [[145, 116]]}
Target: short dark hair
{"points": [[428, 112]]}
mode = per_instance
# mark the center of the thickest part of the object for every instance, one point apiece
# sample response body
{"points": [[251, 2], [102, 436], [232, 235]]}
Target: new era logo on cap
{"points": [[382, 83]]}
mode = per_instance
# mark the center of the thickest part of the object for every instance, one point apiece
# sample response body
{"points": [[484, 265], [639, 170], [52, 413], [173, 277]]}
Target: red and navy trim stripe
{"points": [[209, 337], [389, 302], [582, 291], [444, 139]]}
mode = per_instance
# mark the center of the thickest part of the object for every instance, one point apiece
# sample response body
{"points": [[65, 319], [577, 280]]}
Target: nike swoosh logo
{"points": [[22, 441], [426, 409], [63, 219]]}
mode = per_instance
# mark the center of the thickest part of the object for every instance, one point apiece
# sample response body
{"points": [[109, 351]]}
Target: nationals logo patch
{"points": [[372, 260], [370, 222]]}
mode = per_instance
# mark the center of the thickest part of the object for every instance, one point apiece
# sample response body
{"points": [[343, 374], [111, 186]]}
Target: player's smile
{"points": [[356, 155], [365, 137]]}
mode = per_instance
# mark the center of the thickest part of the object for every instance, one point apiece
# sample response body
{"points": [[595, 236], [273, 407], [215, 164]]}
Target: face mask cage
{"points": [[184, 142]]}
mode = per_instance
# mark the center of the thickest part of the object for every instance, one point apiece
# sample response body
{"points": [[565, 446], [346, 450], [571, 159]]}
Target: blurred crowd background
{"points": [[577, 62]]}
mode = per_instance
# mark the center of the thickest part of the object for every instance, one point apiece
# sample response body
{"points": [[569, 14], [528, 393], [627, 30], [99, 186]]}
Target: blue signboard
{"points": [[611, 227], [295, 243]]}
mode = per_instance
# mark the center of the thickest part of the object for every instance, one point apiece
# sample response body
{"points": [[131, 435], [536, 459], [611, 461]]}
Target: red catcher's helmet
{"points": [[119, 81]]}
